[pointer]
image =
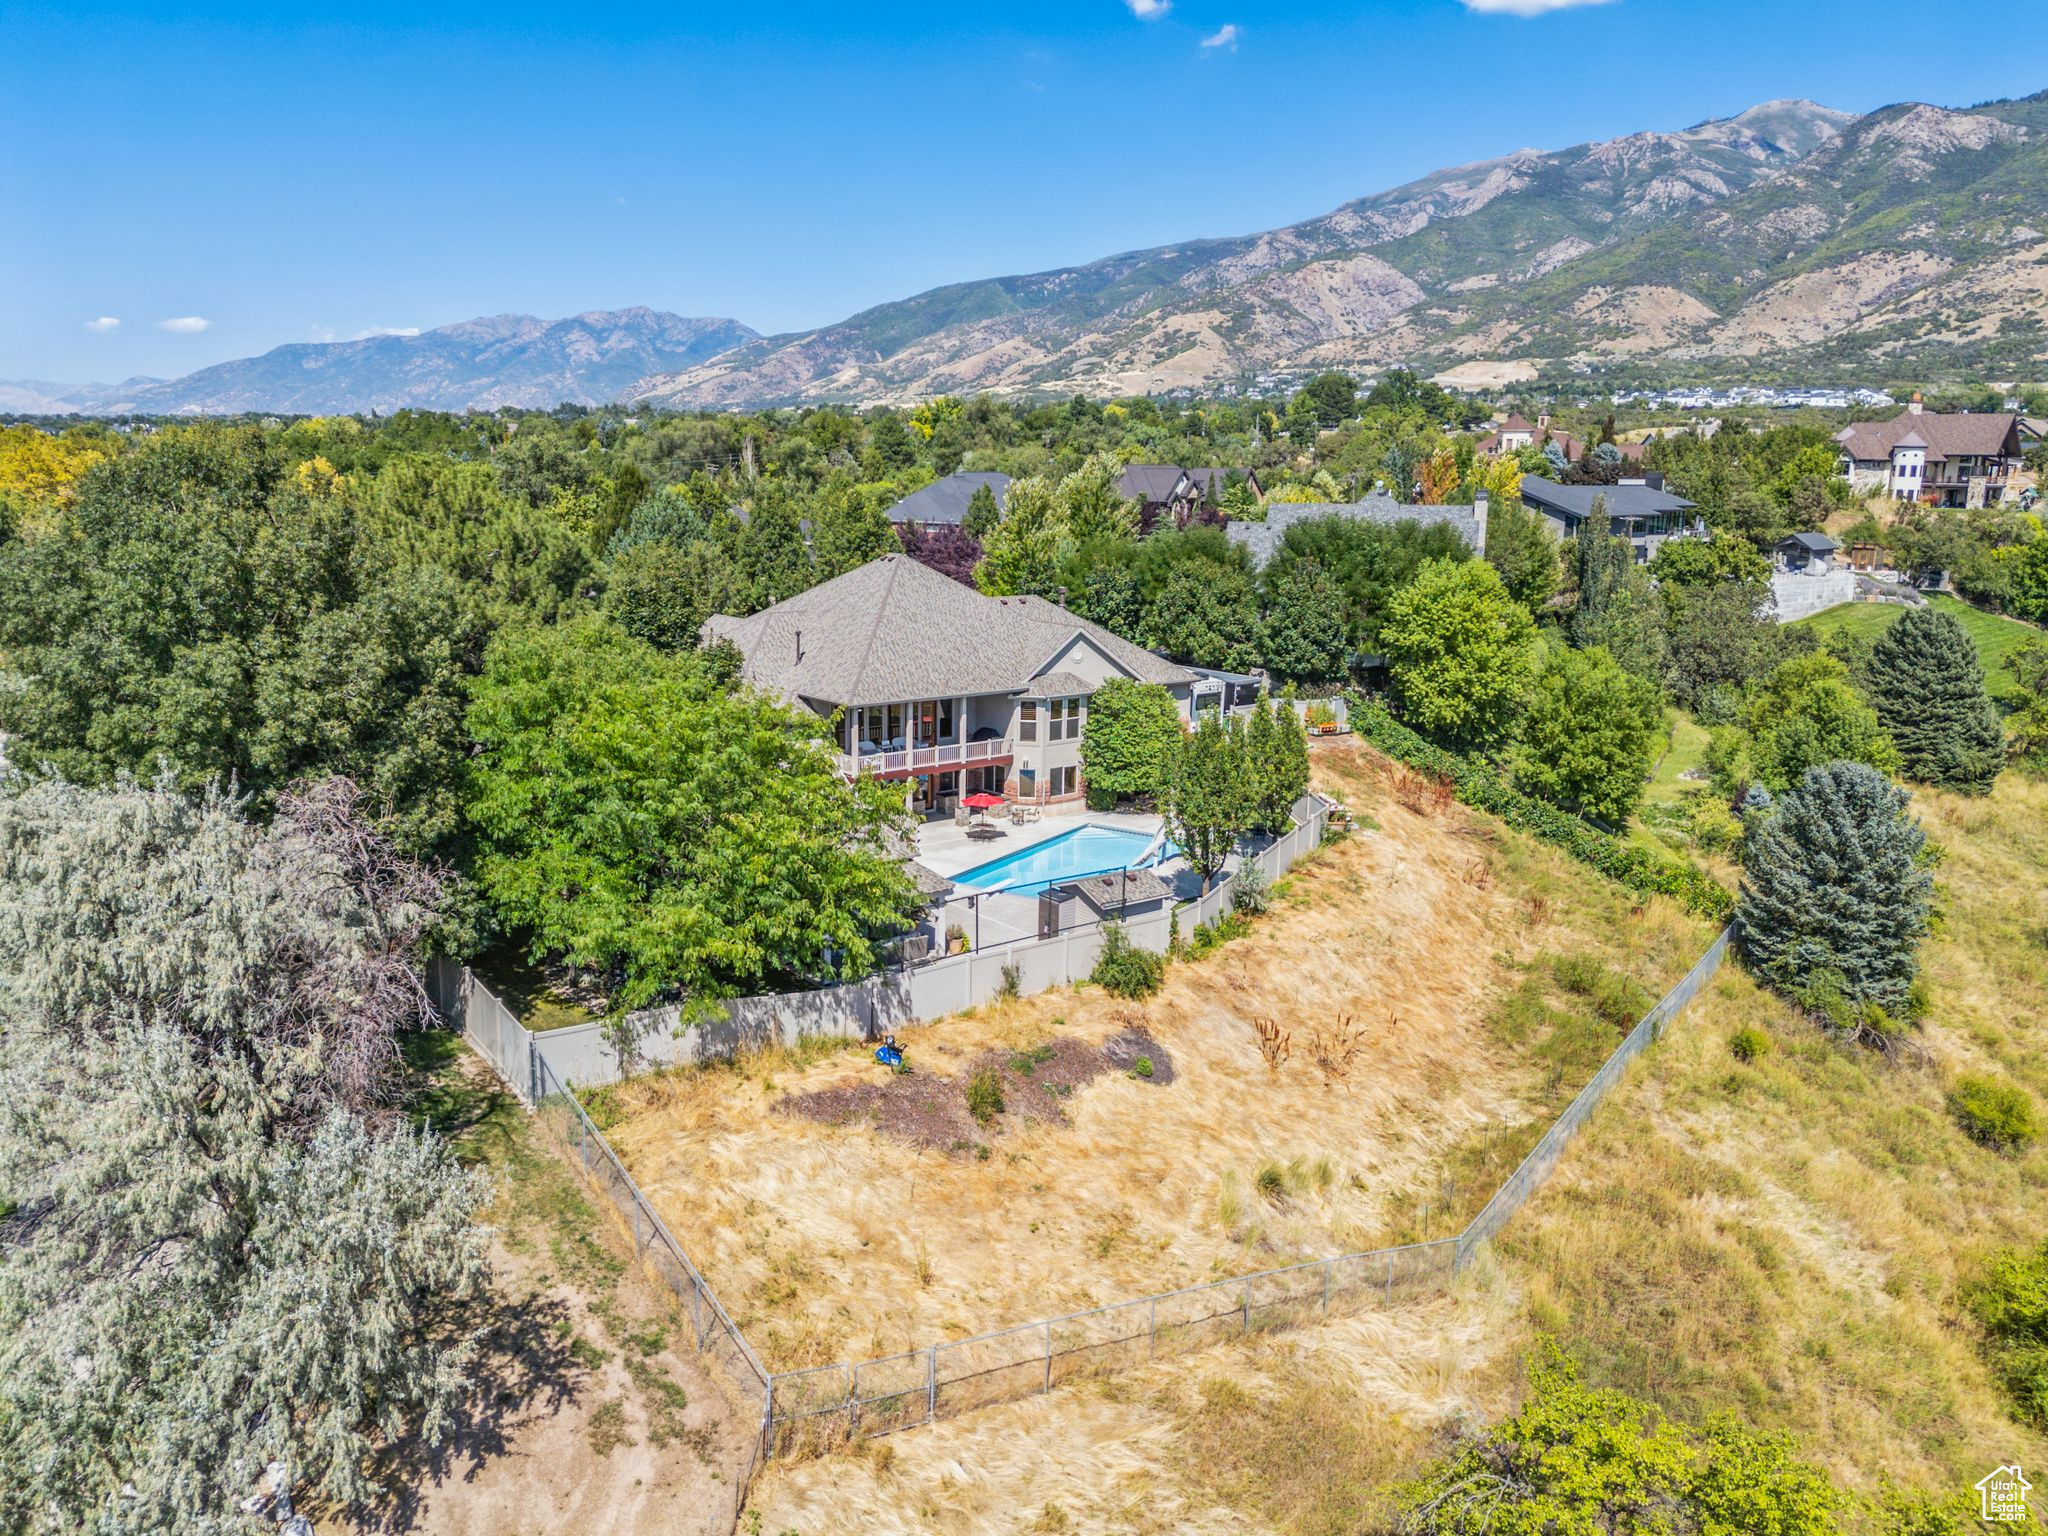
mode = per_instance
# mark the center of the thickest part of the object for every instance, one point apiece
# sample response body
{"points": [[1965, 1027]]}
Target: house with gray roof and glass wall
{"points": [[1263, 539], [944, 503], [1639, 509], [935, 683]]}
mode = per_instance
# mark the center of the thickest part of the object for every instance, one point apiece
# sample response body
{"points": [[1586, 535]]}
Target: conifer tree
{"points": [[1832, 888], [1928, 687]]}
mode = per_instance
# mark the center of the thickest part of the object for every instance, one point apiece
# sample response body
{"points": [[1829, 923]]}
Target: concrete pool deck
{"points": [[946, 849]]}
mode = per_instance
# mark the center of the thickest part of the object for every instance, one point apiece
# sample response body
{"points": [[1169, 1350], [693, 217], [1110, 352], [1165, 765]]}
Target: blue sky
{"points": [[220, 178]]}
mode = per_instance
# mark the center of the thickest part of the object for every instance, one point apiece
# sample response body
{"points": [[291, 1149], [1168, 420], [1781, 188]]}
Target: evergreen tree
{"points": [[1207, 800], [983, 512], [1924, 678], [1832, 890], [231, 1254], [1617, 607]]}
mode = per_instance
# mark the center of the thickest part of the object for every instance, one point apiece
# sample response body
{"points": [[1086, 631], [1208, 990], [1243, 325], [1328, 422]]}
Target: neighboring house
{"points": [[943, 503], [935, 683], [1963, 459], [1171, 493], [1805, 554], [1263, 539], [1639, 510], [1516, 433]]}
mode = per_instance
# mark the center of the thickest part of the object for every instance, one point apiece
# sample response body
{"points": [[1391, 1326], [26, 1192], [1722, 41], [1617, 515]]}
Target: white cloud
{"points": [[387, 330], [185, 325], [104, 324], [1149, 10], [1526, 7], [1225, 36]]}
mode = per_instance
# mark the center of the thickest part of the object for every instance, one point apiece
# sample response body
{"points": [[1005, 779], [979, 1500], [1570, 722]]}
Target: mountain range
{"points": [[1908, 243]]}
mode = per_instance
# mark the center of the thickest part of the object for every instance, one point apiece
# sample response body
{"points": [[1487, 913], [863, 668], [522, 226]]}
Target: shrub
{"points": [[1479, 784], [1993, 1112], [1250, 891], [1748, 1043], [1271, 1181], [1142, 1067], [985, 1095], [1013, 981], [1125, 970], [2010, 1302]]}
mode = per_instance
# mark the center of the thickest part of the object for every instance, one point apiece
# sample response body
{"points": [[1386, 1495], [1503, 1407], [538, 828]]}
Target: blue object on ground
{"points": [[889, 1055]]}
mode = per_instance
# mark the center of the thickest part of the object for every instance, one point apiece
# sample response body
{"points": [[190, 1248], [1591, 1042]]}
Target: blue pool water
{"points": [[1087, 850]]}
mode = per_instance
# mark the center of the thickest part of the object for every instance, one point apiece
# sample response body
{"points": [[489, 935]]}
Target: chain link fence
{"points": [[808, 1410]]}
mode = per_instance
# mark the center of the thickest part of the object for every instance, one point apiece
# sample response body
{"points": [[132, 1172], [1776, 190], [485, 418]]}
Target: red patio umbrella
{"points": [[984, 801]]}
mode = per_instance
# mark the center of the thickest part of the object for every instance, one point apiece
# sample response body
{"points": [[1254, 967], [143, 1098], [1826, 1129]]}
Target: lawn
{"points": [[1995, 637], [841, 1211]]}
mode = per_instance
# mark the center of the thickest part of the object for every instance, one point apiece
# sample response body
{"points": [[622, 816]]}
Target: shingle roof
{"points": [[1622, 500], [1813, 543], [893, 630], [1149, 482], [1056, 685], [1263, 539], [945, 501], [1962, 434], [1108, 892]]}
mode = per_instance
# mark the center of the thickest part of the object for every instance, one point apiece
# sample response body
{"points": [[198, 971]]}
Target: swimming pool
{"points": [[1087, 850]]}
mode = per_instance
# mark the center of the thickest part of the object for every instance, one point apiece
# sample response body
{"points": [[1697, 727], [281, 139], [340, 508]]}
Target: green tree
{"points": [[983, 512], [1717, 637], [1520, 546], [1616, 606], [1924, 677], [638, 819], [1206, 798], [1305, 628], [849, 527], [1576, 1460], [1833, 891], [1208, 616], [2029, 669], [1806, 714], [1021, 554], [1327, 399], [1460, 653], [1702, 562], [2009, 1300], [1128, 740], [235, 1257], [1588, 736], [663, 594], [1276, 765]]}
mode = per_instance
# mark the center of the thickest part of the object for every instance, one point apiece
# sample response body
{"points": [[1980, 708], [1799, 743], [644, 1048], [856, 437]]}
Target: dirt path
{"points": [[594, 1414]]}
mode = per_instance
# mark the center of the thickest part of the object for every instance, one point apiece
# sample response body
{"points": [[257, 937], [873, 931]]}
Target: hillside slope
{"points": [[501, 360]]}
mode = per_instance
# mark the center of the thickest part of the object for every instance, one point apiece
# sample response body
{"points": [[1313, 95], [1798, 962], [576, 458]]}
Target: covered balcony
{"points": [[924, 737]]}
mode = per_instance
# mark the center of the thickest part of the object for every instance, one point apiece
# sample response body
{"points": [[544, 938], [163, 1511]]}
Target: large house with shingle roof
{"points": [[935, 683], [944, 502], [1961, 459], [1176, 493], [1263, 539], [1639, 509]]}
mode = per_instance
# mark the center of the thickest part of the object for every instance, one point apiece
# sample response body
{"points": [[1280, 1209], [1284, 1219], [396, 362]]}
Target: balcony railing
{"points": [[939, 758]]}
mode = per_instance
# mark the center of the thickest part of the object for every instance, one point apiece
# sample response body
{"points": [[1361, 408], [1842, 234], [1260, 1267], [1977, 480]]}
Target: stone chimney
{"points": [[1543, 421], [1913, 406], [1480, 503]]}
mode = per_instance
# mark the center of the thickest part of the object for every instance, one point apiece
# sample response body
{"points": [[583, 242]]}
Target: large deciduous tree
{"points": [[1305, 623], [1833, 892], [1588, 736], [1924, 677], [638, 819], [1128, 740], [1207, 797], [227, 1253], [1807, 714], [1460, 653]]}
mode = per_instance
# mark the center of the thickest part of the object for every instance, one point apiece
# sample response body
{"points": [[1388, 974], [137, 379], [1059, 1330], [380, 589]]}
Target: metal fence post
{"points": [[1327, 1264], [1390, 1277], [931, 1386], [1247, 1306]]}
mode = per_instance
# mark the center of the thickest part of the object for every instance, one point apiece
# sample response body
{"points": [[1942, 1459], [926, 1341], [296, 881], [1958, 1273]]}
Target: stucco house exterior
{"points": [[935, 683], [1963, 459]]}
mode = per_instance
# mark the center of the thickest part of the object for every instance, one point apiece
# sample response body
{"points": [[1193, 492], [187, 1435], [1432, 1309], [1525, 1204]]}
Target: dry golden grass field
{"points": [[830, 1241], [1784, 1238]]}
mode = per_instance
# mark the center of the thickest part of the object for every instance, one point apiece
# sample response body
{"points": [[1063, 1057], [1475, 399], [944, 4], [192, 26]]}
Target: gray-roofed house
{"points": [[1805, 554], [943, 503], [1962, 459], [940, 685], [1263, 539], [1640, 510], [1175, 493]]}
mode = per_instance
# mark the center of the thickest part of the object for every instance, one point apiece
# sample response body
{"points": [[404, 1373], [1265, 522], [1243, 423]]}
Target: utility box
{"points": [[1056, 910]]}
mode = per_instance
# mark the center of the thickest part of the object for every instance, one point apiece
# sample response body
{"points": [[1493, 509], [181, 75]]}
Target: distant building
{"points": [[1517, 433], [1805, 554], [943, 503], [1639, 510], [1172, 493], [1263, 539], [1959, 459]]}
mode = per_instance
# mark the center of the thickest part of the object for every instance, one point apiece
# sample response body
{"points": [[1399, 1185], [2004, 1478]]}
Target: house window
{"points": [[1027, 784], [1073, 719], [945, 720], [1027, 721], [1062, 782]]}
